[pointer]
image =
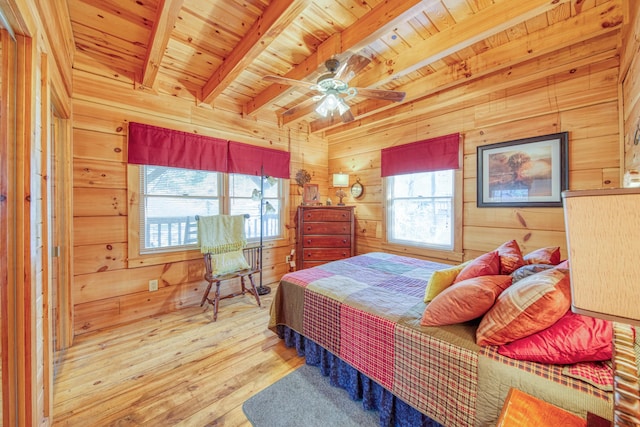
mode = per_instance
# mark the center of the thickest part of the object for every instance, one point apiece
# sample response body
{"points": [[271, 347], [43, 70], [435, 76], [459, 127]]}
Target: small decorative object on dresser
{"points": [[324, 233], [311, 195], [340, 181]]}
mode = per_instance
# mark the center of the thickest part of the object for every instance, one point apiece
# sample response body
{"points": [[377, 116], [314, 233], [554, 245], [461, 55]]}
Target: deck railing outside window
{"points": [[183, 231]]}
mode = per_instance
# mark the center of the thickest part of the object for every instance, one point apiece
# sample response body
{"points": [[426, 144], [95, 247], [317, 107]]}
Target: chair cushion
{"points": [[228, 262]]}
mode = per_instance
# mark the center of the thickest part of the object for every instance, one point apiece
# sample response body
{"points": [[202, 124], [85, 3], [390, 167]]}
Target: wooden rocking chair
{"points": [[251, 256]]}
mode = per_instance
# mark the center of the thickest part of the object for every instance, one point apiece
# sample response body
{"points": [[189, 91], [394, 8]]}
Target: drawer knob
{"points": [[309, 241], [344, 240]]}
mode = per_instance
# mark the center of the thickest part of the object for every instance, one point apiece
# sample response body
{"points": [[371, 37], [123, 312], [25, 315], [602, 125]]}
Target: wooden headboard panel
{"points": [[626, 365]]}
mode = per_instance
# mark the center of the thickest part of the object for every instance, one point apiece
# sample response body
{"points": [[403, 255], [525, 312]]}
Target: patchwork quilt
{"points": [[367, 309]]}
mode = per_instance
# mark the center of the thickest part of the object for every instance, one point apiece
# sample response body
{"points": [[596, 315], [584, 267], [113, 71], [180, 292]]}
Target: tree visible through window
{"points": [[171, 198], [420, 209]]}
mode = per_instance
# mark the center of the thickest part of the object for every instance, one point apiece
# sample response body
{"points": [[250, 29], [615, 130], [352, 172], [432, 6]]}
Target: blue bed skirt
{"points": [[393, 411]]}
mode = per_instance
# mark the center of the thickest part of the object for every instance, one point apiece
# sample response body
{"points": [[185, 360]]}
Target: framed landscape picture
{"points": [[310, 195], [524, 172]]}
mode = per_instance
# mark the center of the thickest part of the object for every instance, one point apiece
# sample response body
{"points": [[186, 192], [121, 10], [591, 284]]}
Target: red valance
{"points": [[249, 159], [428, 155], [151, 145]]}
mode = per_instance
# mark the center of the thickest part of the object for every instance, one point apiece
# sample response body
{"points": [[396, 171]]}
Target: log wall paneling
{"points": [[631, 89], [108, 289], [582, 100]]}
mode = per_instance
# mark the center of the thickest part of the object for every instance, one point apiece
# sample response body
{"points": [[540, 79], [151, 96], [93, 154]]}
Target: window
{"points": [[172, 197], [244, 194], [420, 209]]}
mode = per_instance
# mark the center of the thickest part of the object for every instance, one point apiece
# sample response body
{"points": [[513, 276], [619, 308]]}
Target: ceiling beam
{"points": [[487, 22], [275, 19], [166, 18], [590, 24], [378, 21]]}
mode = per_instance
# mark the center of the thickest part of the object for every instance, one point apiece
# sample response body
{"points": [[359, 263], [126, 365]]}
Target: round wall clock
{"points": [[357, 189]]}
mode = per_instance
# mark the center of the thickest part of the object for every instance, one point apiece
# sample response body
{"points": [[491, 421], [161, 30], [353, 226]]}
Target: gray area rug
{"points": [[305, 398]]}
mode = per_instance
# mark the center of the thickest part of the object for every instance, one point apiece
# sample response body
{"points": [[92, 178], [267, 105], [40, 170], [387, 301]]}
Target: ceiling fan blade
{"points": [[304, 105], [353, 66], [347, 116], [288, 82], [389, 95]]}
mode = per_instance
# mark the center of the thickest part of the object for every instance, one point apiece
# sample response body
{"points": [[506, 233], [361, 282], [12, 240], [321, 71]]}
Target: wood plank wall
{"points": [[106, 290], [630, 72], [572, 90]]}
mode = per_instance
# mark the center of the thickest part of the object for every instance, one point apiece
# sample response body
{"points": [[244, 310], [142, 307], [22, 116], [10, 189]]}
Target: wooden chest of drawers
{"points": [[324, 233]]}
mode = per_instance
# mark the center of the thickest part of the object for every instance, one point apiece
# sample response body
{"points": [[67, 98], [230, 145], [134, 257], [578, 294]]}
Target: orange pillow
{"points": [[550, 255], [510, 257], [464, 300], [485, 265], [526, 307]]}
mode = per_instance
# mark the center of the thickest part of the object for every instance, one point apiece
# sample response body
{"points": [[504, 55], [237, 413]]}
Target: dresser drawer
{"points": [[325, 254], [328, 214], [327, 241], [326, 228]]}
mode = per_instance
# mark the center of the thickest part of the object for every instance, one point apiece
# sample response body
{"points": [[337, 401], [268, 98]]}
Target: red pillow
{"points": [[572, 339], [550, 255], [485, 265], [510, 257], [465, 300]]}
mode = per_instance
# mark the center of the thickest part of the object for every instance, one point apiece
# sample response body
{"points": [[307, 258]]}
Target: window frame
{"points": [[138, 257], [455, 254]]}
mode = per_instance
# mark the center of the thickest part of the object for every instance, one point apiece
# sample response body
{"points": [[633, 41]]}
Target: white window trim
{"points": [[454, 255], [137, 259]]}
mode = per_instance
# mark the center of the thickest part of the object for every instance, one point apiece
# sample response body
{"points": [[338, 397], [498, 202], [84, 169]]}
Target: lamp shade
{"points": [[340, 180], [603, 239]]}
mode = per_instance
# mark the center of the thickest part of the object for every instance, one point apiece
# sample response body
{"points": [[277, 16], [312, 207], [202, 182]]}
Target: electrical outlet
{"points": [[153, 285], [288, 259]]}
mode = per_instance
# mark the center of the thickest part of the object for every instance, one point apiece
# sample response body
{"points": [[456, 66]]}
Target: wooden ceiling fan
{"points": [[334, 88]]}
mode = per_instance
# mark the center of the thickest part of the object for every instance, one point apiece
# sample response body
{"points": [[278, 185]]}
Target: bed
{"points": [[359, 320]]}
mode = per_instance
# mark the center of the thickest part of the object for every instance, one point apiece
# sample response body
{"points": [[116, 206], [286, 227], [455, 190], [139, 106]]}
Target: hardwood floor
{"points": [[177, 369]]}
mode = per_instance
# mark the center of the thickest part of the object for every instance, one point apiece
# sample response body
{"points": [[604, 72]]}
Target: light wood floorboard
{"points": [[175, 369]]}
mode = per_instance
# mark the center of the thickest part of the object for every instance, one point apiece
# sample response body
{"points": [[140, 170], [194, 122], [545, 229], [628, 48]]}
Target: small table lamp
{"points": [[340, 180], [603, 239]]}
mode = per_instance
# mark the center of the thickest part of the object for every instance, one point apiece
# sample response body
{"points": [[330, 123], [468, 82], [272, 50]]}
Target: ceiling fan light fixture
{"points": [[330, 102], [342, 106]]}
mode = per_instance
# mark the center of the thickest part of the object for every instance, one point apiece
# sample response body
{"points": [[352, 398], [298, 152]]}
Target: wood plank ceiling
{"points": [[217, 52]]}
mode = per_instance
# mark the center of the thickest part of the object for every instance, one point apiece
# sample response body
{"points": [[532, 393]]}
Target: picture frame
{"points": [[311, 194], [529, 172]]}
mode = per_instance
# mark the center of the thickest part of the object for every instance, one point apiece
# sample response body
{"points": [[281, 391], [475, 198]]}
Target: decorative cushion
{"points": [[510, 257], [563, 264], [485, 265], [526, 307], [441, 280], [550, 255], [528, 270], [228, 262], [464, 300], [572, 339]]}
